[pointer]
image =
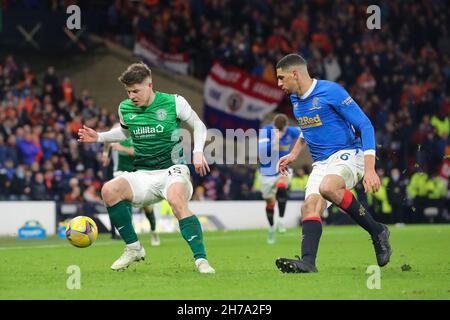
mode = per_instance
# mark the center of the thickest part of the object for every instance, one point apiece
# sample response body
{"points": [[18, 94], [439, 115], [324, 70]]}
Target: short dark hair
{"points": [[280, 121], [135, 73], [291, 60]]}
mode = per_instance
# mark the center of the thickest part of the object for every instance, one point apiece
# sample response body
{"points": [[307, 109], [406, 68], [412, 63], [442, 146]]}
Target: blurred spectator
{"points": [[441, 123], [51, 78], [379, 200], [213, 185], [19, 189], [91, 195], [4, 185], [12, 151], [199, 193], [39, 190], [3, 150], [396, 191], [417, 192], [299, 179], [28, 150], [49, 145], [332, 67], [436, 192], [67, 90], [74, 194]]}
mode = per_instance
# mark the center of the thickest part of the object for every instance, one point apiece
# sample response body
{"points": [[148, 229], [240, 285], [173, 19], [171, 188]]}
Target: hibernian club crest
{"points": [[161, 114]]}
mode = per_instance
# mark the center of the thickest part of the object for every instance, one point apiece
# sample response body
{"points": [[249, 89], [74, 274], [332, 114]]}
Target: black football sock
{"points": [[282, 197], [360, 214], [269, 213], [150, 214], [311, 233]]}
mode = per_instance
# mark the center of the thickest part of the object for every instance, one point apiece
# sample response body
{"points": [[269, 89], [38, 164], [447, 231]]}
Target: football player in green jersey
{"points": [[122, 156], [152, 119]]}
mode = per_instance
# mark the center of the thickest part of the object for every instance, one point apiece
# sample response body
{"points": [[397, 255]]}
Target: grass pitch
{"points": [[244, 263]]}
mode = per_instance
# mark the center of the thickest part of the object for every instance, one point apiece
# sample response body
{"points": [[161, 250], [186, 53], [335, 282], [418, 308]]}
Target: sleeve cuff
{"points": [[370, 152]]}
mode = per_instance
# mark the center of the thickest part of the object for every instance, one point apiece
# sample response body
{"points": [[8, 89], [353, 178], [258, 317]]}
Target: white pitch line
{"points": [[209, 238], [43, 246], [326, 232]]}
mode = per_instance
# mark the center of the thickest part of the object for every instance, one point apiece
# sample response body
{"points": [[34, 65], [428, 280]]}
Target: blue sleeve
{"points": [[349, 110], [295, 132]]}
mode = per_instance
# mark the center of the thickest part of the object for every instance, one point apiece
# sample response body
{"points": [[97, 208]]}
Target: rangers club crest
{"points": [[235, 102]]}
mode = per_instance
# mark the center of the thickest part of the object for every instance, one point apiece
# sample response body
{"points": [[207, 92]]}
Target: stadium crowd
{"points": [[399, 75]]}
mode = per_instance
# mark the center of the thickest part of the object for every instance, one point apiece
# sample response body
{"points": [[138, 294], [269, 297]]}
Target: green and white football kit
{"points": [[158, 156], [159, 162], [122, 163]]}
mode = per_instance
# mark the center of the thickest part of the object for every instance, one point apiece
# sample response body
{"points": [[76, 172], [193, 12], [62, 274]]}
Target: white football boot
{"points": [[203, 266], [155, 239], [281, 228], [271, 235], [129, 256]]}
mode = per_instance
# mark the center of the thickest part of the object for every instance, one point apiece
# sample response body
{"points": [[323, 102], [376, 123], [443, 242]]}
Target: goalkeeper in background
{"points": [[122, 155]]}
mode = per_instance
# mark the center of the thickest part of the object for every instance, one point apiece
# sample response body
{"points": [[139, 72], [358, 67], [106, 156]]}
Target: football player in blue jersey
{"points": [[275, 141], [341, 140]]}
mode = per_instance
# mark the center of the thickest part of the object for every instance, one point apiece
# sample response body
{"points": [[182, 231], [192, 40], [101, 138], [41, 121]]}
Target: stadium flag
{"points": [[176, 62], [235, 99]]}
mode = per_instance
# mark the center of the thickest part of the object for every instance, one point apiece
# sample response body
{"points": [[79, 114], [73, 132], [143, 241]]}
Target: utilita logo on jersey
{"points": [[143, 132], [307, 122]]}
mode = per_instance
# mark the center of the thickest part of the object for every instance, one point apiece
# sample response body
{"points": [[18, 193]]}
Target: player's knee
{"points": [[110, 193], [178, 204], [327, 190], [176, 199], [270, 202], [308, 209]]}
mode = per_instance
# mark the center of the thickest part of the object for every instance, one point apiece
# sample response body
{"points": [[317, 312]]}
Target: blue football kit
{"points": [[269, 156], [330, 119]]}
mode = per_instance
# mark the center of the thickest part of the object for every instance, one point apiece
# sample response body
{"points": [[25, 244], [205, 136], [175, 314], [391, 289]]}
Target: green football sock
{"points": [[120, 215], [151, 218], [191, 230]]}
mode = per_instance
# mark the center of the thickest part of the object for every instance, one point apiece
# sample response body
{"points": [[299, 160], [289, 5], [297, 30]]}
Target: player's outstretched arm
{"points": [[87, 134]]}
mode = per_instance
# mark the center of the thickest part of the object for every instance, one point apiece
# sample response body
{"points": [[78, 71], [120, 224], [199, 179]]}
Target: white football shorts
{"points": [[269, 184], [150, 186], [349, 164]]}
